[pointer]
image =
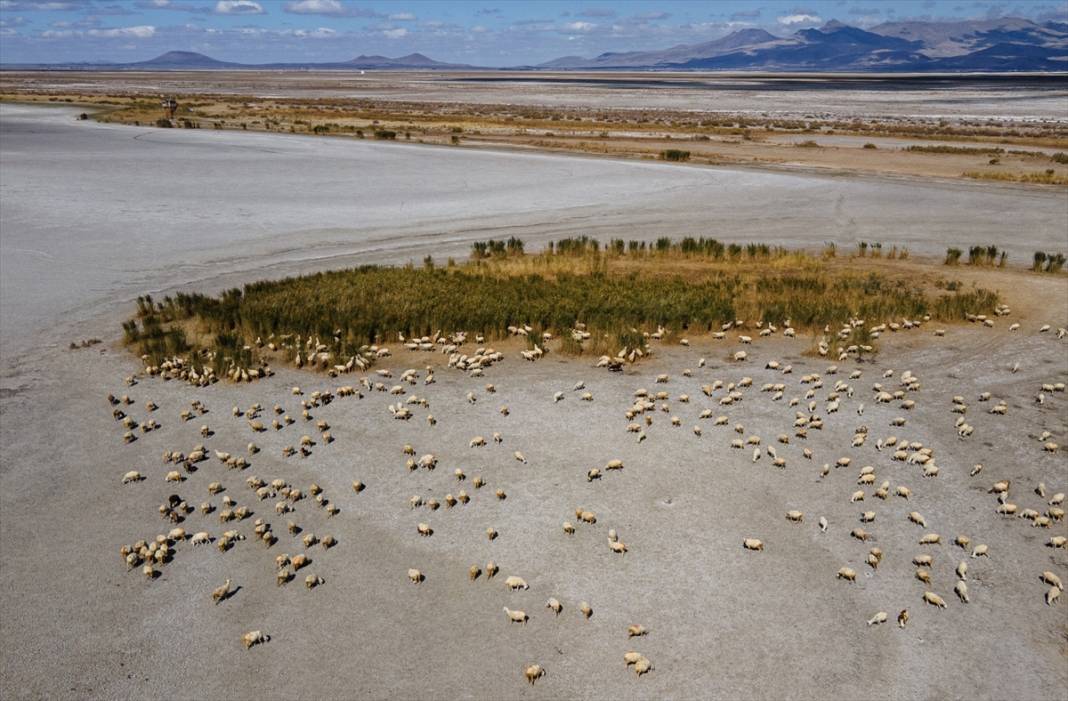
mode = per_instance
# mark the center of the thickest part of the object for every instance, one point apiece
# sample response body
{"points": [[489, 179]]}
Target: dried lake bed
{"points": [[94, 215]]}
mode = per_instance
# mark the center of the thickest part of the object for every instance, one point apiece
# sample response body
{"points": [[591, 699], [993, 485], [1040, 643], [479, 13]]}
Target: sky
{"points": [[478, 32]]}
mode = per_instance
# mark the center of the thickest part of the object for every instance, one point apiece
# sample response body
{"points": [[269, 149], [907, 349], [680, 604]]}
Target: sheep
{"points": [[554, 604], [221, 593], [860, 534], [617, 546], [636, 631], [962, 541], [519, 456], [795, 516], [823, 524], [477, 442], [533, 673], [903, 618], [980, 551], [878, 618], [491, 569], [491, 533], [642, 666], [132, 476], [312, 581], [1057, 541], [1052, 595], [753, 544], [415, 576], [847, 573], [930, 539], [254, 637], [586, 610], [568, 528], [516, 616], [298, 561], [631, 657], [174, 476], [934, 599], [425, 530]]}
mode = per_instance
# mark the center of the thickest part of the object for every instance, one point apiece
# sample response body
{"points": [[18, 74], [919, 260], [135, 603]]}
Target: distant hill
{"points": [[190, 60], [181, 59], [1008, 44]]}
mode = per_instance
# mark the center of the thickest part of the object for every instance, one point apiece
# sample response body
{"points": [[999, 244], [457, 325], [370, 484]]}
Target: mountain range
{"points": [[1007, 44]]}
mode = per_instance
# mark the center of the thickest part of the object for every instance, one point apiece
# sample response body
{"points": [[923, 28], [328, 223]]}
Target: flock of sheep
{"points": [[217, 489]]}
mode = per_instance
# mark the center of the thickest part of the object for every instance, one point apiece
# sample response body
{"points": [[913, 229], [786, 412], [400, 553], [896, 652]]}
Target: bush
{"points": [[674, 154], [385, 134], [953, 256], [807, 144], [870, 146], [164, 123], [1059, 157]]}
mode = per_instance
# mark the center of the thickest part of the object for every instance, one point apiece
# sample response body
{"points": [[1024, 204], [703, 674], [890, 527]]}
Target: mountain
{"points": [[1009, 44], [190, 60], [675, 55], [173, 60]]}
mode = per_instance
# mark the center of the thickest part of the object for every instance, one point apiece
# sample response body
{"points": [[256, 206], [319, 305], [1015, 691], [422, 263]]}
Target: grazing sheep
{"points": [[568, 528], [534, 672], [1057, 541], [1052, 595], [415, 576], [554, 604], [636, 631], [516, 616], [795, 516], [934, 599], [753, 544], [425, 530], [847, 573], [903, 618], [491, 533], [132, 476], [585, 609], [878, 618], [930, 539], [491, 569], [961, 590], [254, 637], [515, 583], [631, 657], [1051, 578], [221, 593], [642, 666]]}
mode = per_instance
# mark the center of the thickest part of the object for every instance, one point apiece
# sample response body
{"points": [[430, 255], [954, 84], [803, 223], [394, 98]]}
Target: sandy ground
{"points": [[1022, 98], [723, 622]]}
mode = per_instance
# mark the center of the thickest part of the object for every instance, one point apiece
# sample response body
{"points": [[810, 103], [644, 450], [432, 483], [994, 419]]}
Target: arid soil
{"points": [[88, 223]]}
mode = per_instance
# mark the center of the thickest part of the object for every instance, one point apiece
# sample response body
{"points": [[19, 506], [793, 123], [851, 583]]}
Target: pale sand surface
{"points": [[724, 622]]}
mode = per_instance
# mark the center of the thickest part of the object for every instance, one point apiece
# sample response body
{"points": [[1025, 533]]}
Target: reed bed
{"points": [[618, 290]]}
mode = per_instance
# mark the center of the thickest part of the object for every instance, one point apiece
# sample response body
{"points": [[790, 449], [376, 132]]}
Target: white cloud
{"points": [[319, 33], [402, 17], [37, 5], [315, 7], [238, 7], [143, 31], [397, 33], [580, 26], [790, 20]]}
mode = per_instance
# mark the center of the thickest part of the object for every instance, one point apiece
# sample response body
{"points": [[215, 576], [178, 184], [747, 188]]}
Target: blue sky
{"points": [[483, 32]]}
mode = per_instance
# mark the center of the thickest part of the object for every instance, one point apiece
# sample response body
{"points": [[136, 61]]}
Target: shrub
{"points": [[385, 134], [674, 154], [953, 256], [1039, 260], [163, 123], [1059, 157], [870, 146], [807, 144]]}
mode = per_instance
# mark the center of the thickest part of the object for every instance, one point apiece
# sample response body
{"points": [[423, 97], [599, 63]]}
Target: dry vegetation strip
{"points": [[700, 137], [617, 291]]}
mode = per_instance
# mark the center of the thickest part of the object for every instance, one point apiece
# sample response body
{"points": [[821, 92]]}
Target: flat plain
{"points": [[95, 215]]}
